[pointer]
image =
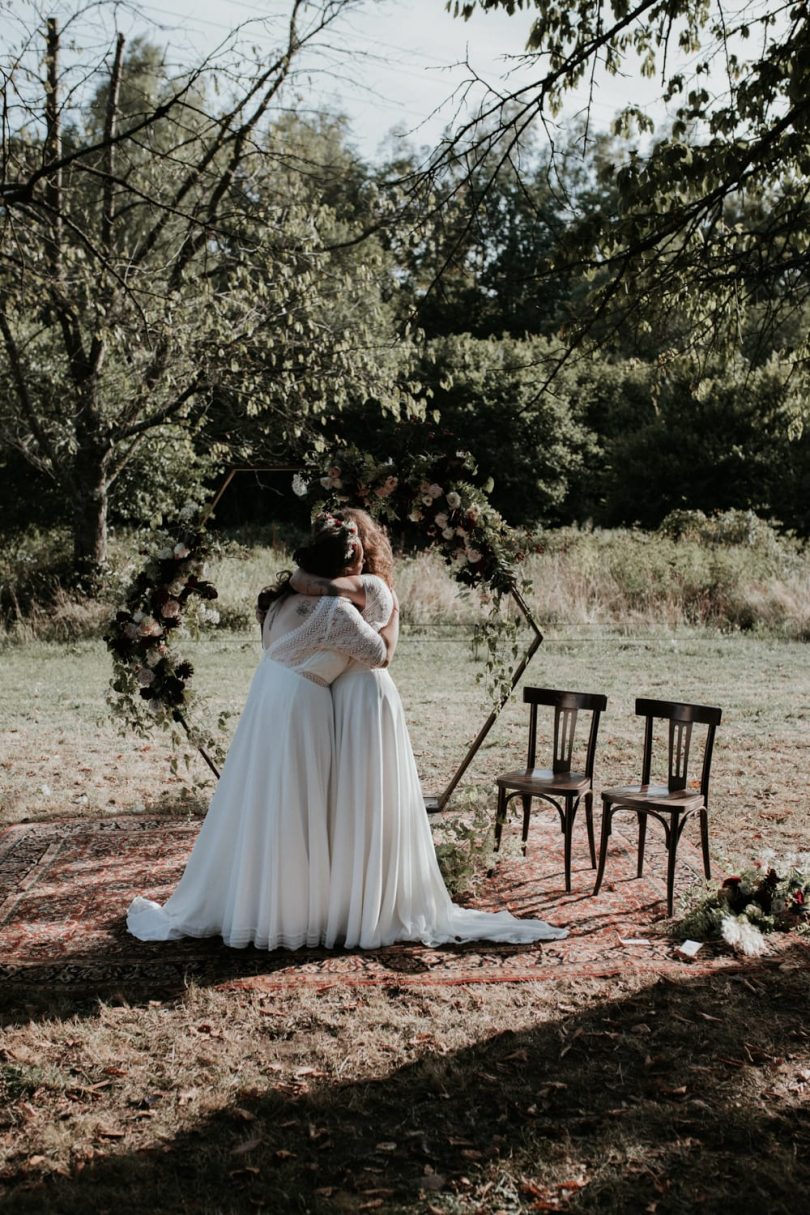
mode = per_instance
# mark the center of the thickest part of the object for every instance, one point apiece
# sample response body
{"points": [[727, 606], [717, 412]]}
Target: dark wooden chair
{"points": [[674, 803], [558, 785]]}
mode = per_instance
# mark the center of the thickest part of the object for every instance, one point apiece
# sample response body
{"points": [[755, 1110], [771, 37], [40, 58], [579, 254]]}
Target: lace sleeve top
{"points": [[379, 601], [332, 636]]}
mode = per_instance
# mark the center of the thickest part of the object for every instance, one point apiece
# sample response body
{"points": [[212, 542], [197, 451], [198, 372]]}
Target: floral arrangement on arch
{"points": [[751, 904], [436, 496], [149, 683]]}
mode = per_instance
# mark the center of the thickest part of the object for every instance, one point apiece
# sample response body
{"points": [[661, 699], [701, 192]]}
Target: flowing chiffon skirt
{"points": [[259, 870], [386, 884]]}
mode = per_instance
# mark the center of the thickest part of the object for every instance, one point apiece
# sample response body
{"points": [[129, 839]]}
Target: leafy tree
{"points": [[729, 437], [707, 219], [162, 259], [469, 260]]}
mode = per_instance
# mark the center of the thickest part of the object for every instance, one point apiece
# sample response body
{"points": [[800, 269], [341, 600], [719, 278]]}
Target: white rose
{"points": [[299, 486], [138, 616], [453, 500], [181, 551], [165, 554], [326, 482], [153, 658], [435, 490], [448, 533], [460, 531], [176, 587], [427, 500], [149, 627], [145, 677], [415, 515], [441, 520], [473, 555]]}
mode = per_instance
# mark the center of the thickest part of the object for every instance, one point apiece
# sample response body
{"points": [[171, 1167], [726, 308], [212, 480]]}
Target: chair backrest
{"points": [[681, 718], [566, 707]]}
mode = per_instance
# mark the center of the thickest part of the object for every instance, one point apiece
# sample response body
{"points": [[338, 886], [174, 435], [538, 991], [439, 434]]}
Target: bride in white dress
{"points": [[260, 869], [386, 884]]}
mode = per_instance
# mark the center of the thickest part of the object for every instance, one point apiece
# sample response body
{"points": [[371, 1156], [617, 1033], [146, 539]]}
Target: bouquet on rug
{"points": [[750, 904]]}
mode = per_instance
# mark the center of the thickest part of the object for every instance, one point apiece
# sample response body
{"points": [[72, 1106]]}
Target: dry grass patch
{"points": [[603, 1096], [591, 1097]]}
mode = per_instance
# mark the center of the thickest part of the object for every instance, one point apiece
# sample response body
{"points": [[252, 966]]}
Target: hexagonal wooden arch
{"points": [[434, 802]]}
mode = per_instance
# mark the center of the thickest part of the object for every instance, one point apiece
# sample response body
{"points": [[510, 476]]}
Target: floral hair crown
{"points": [[326, 524]]}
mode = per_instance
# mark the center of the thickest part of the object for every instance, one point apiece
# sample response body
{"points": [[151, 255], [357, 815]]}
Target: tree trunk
{"points": [[90, 513]]}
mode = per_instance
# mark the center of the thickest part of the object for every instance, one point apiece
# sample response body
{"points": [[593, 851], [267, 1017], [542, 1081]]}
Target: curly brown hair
{"points": [[377, 555]]}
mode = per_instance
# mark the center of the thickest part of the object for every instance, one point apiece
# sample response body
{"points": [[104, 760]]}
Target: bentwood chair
{"points": [[674, 803], [559, 785]]}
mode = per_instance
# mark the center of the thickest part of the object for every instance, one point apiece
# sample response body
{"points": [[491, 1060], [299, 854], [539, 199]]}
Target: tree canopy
{"points": [[708, 217]]}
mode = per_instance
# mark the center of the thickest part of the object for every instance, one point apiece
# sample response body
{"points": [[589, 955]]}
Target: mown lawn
{"points": [[591, 1095]]}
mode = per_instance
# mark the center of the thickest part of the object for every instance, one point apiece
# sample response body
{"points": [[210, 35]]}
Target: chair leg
{"points": [[673, 835], [589, 824], [500, 818], [607, 814], [642, 841], [704, 839], [568, 831], [527, 809]]}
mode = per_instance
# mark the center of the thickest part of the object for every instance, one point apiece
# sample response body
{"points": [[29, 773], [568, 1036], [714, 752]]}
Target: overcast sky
{"points": [[389, 64]]}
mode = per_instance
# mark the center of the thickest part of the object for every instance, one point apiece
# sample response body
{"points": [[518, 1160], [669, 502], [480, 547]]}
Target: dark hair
{"points": [[325, 557]]}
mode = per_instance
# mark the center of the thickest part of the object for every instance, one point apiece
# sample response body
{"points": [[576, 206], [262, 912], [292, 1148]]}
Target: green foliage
{"points": [[492, 398], [179, 294], [709, 219], [725, 436], [464, 840]]}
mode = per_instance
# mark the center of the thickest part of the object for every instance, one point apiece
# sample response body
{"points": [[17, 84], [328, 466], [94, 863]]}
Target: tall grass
{"points": [[733, 572]]}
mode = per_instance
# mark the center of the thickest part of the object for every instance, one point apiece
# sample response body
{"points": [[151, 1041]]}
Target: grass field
{"points": [[595, 1095]]}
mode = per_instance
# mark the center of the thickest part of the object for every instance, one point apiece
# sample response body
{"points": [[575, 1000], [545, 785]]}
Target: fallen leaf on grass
{"points": [[242, 1114], [385, 1146], [284, 1154], [115, 1071], [110, 1132], [247, 1145]]}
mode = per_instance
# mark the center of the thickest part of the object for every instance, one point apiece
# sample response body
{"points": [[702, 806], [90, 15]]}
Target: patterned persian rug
{"points": [[65, 886]]}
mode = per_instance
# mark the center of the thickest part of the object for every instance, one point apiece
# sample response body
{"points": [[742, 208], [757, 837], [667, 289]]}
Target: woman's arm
{"points": [[390, 632], [350, 588], [349, 634]]}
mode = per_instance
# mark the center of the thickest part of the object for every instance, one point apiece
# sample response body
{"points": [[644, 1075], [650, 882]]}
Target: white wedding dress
{"points": [[317, 832], [386, 884], [259, 871]]}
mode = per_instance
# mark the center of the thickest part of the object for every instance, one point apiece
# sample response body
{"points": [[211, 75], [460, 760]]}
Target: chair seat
{"points": [[657, 796], [543, 780]]}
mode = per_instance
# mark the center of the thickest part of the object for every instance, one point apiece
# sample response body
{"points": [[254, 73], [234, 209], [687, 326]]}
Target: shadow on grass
{"points": [[683, 1096]]}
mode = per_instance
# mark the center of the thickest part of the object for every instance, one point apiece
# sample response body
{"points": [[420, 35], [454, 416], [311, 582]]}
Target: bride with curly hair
{"points": [[385, 883], [259, 872]]}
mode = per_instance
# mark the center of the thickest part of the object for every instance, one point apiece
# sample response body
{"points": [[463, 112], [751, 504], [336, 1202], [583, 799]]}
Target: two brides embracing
{"points": [[317, 832]]}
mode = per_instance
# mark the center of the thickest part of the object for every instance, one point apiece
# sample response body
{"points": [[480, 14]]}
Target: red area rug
{"points": [[65, 887]]}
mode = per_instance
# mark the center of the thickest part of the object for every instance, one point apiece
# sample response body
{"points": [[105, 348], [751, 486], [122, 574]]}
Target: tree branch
{"points": [[18, 376]]}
